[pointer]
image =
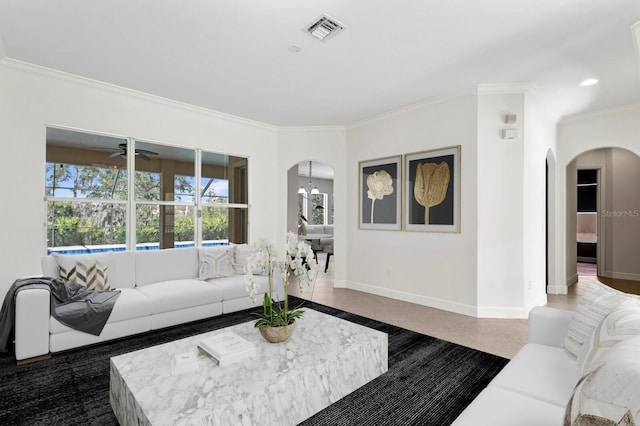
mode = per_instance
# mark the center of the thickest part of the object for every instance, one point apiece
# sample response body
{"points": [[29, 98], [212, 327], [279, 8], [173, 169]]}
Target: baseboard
{"points": [[431, 302], [339, 283], [556, 289], [32, 360], [510, 312], [622, 275], [502, 312], [572, 280]]}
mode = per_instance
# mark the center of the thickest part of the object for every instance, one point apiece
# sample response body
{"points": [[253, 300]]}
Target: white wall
{"points": [[619, 127], [434, 269], [33, 98], [496, 265], [476, 272], [540, 138], [511, 200], [500, 200], [623, 215]]}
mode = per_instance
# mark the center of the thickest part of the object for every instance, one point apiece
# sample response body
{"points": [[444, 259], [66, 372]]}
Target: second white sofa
{"points": [[579, 368]]}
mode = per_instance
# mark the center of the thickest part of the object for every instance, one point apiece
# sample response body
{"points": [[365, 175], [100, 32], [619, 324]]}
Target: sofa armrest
{"points": [[32, 323], [548, 326]]}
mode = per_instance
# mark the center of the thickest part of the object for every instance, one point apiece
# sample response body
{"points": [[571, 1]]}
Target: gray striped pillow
{"points": [[596, 302], [88, 270]]}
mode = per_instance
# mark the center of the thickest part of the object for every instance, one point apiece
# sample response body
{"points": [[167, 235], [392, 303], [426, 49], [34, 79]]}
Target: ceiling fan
{"points": [[142, 153]]}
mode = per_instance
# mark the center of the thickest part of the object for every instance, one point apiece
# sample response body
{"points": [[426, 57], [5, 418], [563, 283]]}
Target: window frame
{"points": [[131, 202]]}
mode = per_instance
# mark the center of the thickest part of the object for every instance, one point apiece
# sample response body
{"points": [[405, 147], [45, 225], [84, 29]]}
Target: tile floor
{"points": [[502, 337]]}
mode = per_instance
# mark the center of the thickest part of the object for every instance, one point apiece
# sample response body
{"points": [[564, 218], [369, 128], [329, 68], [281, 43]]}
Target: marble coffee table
{"points": [[285, 383]]}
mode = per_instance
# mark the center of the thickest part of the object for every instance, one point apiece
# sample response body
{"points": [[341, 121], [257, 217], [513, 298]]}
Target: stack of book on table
{"points": [[227, 347], [184, 363]]}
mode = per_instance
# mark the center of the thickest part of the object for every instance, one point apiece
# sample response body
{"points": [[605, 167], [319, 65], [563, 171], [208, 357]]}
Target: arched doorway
{"points": [[603, 215], [310, 205]]}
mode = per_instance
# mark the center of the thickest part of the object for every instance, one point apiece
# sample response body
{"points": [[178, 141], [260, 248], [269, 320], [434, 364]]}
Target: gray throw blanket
{"points": [[71, 304]]}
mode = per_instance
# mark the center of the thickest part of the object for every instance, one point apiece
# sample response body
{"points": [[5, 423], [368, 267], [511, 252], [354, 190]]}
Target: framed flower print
{"points": [[380, 194], [432, 190]]}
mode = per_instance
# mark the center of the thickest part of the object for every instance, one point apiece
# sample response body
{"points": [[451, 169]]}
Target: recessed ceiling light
{"points": [[589, 82]]}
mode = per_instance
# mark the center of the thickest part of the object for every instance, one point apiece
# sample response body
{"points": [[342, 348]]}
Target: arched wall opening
{"points": [[310, 207], [603, 213]]}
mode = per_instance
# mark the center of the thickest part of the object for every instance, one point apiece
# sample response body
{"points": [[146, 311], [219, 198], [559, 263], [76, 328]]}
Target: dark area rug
{"points": [[429, 382]]}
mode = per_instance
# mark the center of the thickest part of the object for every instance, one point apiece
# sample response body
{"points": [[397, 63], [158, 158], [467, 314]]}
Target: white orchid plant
{"points": [[298, 259]]}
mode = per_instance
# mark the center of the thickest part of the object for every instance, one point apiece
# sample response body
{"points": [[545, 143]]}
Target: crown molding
{"points": [[412, 107], [505, 88], [123, 91], [601, 113], [295, 129]]}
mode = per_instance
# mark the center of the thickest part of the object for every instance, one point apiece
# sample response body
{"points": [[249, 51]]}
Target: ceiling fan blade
{"points": [[145, 151], [144, 157], [115, 154]]}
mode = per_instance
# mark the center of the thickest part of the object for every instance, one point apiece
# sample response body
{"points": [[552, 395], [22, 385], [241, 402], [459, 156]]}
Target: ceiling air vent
{"points": [[324, 27]]}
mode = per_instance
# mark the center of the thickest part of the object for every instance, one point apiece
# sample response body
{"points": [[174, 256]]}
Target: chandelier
{"points": [[313, 190]]}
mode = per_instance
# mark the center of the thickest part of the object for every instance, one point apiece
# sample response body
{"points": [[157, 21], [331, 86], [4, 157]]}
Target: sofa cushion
{"points": [[166, 265], [235, 287], [542, 372], [622, 323], [609, 394], [500, 407], [174, 295], [215, 262], [594, 304], [88, 270], [130, 304]]}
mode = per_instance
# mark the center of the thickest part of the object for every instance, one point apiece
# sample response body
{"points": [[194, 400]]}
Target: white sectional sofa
{"points": [[158, 288], [562, 376]]}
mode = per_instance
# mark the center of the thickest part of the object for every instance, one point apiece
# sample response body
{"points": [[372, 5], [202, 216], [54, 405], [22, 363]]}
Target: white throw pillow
{"points": [[215, 262], [241, 255], [622, 323], [596, 302], [609, 394], [88, 270]]}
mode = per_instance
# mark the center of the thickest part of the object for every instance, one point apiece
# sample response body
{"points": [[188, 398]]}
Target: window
{"points": [[318, 212], [88, 201], [313, 208], [165, 204], [223, 198], [86, 198]]}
